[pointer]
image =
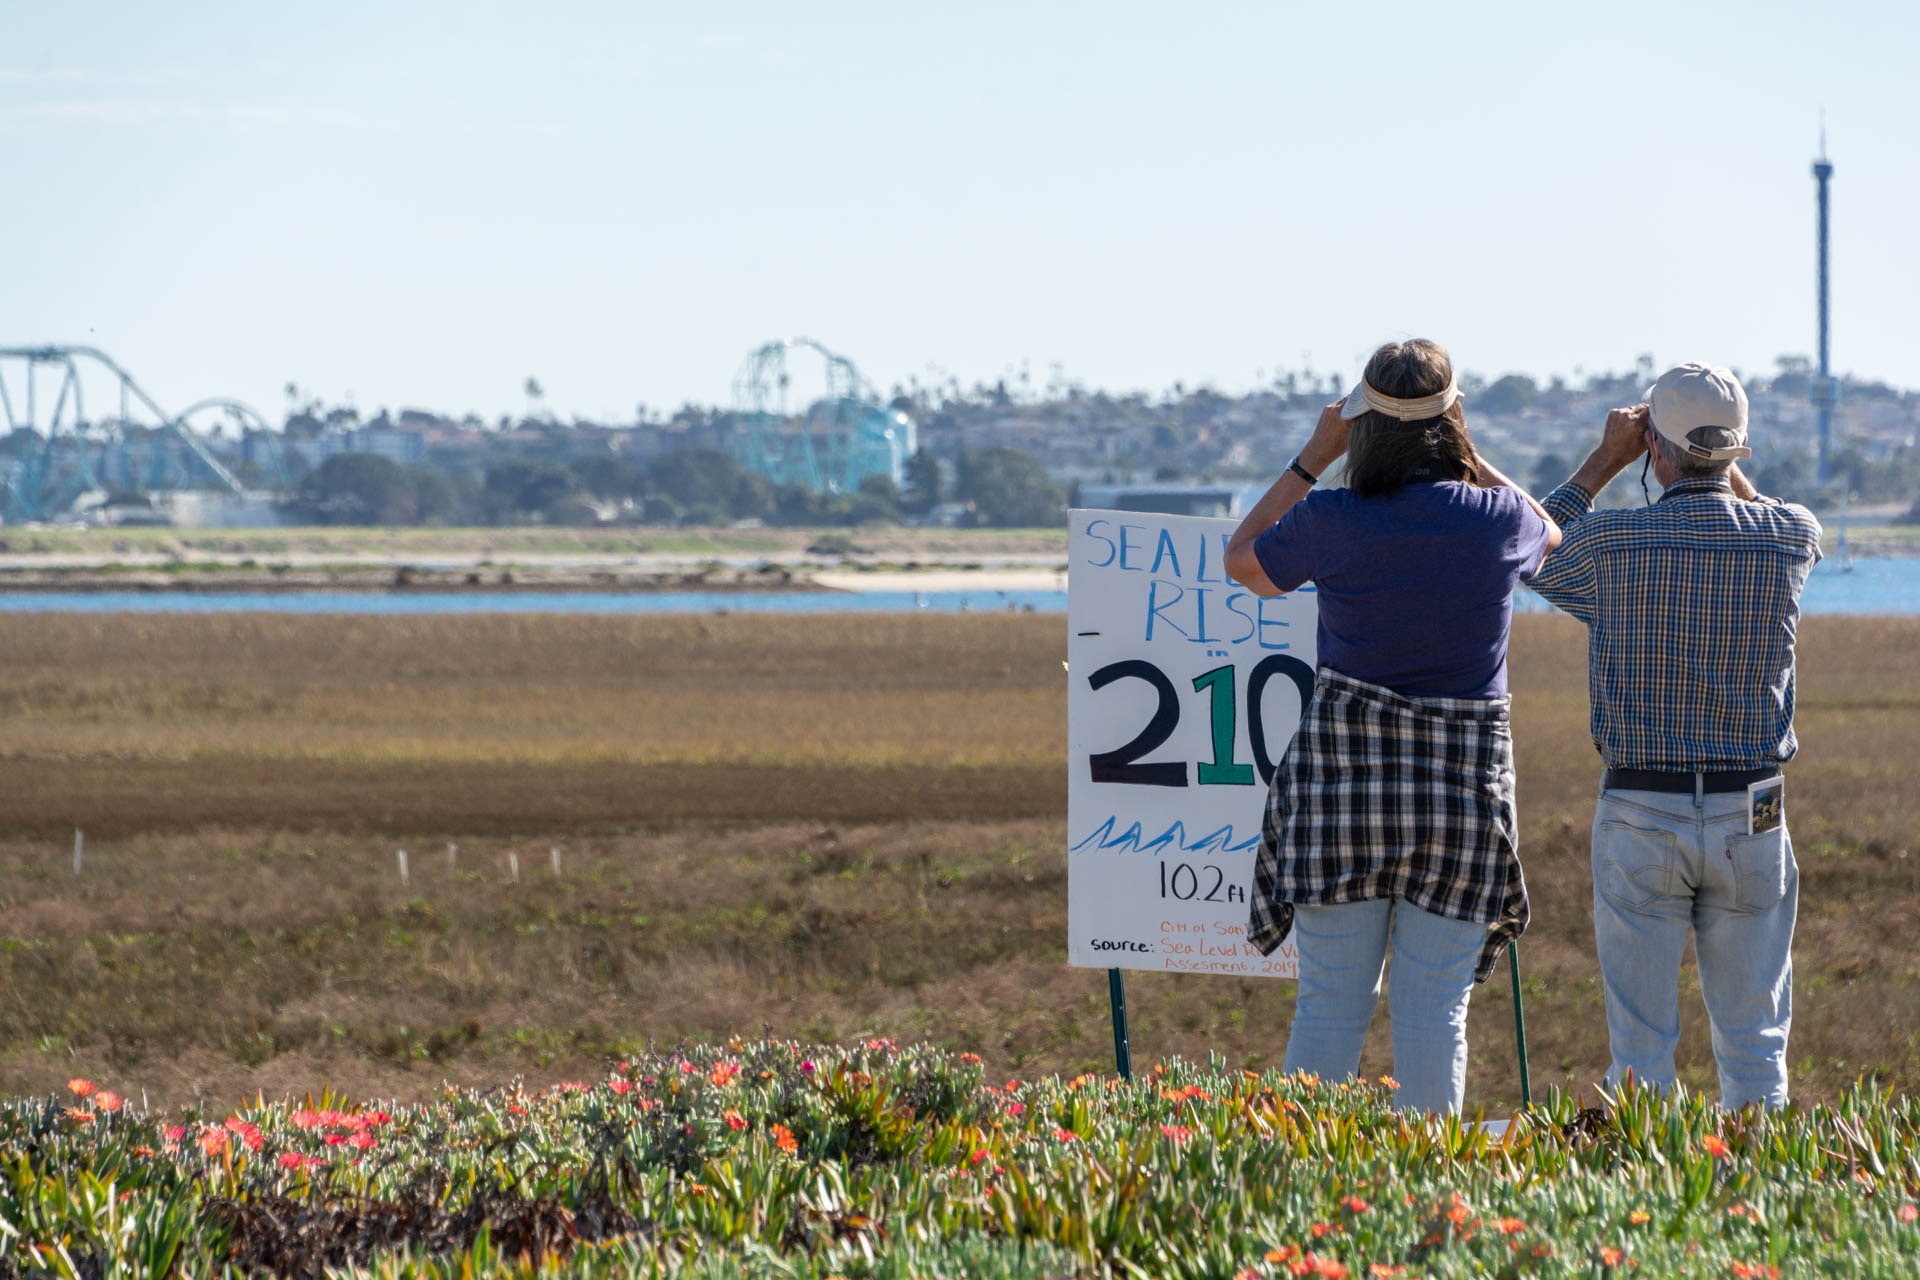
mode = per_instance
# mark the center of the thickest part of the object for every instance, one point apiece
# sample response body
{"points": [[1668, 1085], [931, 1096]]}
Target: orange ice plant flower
{"points": [[80, 1087], [783, 1139], [108, 1100], [1713, 1145]]}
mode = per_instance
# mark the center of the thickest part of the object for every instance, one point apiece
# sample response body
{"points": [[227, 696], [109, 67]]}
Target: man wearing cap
{"points": [[1691, 605]]}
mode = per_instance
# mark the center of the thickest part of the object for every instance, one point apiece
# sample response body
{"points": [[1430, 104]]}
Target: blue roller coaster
{"points": [[830, 445], [48, 472]]}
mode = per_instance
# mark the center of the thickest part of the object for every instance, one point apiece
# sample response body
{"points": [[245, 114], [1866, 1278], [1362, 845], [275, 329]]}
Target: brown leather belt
{"points": [[1718, 783]]}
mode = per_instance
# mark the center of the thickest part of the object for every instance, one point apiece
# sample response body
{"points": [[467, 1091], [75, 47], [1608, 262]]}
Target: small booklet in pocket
{"points": [[1766, 805]]}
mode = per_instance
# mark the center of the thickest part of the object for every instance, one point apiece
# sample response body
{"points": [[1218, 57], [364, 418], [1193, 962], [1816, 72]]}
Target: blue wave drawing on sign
{"points": [[1174, 838]]}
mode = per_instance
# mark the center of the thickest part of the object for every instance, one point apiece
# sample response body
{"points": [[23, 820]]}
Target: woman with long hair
{"points": [[1390, 822]]}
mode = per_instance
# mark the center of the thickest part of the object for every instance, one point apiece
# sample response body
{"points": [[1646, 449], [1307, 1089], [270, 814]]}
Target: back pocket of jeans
{"points": [[1760, 865], [1636, 864]]}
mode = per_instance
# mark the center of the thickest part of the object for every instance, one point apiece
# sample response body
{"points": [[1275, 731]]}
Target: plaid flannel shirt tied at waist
{"points": [[1386, 796]]}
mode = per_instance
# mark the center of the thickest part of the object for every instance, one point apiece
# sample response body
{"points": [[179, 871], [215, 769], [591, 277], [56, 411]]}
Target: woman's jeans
{"points": [[1663, 865], [1343, 948]]}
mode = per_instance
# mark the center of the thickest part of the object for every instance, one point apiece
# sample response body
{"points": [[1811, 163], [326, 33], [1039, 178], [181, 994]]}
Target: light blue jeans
{"points": [[1343, 948], [1664, 864]]}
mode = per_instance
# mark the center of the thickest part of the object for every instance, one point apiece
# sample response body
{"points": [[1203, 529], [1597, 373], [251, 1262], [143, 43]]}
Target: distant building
{"points": [[396, 446], [1164, 498], [212, 508]]}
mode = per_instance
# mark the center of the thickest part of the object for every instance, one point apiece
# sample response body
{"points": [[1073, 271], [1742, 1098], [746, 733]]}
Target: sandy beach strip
{"points": [[942, 580]]}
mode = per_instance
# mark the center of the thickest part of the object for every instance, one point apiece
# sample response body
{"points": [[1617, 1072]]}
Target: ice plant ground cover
{"points": [[777, 1159]]}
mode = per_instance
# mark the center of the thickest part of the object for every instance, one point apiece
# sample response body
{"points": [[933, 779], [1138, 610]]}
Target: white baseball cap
{"points": [[1692, 396]]}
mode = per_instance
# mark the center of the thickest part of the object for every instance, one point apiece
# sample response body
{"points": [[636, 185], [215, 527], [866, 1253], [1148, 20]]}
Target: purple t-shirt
{"points": [[1416, 588]]}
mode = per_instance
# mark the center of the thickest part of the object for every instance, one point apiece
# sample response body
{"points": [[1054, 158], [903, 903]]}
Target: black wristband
{"points": [[1302, 472]]}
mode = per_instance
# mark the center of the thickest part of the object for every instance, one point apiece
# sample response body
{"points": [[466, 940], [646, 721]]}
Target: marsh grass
{"points": [[833, 826]]}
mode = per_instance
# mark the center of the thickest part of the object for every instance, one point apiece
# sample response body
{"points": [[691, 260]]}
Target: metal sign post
{"points": [[1117, 997], [1519, 1025]]}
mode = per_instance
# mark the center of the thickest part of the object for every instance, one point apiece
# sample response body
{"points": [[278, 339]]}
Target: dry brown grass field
{"points": [[829, 825]]}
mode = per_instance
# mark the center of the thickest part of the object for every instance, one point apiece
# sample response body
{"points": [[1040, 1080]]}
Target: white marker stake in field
{"points": [[1184, 691]]}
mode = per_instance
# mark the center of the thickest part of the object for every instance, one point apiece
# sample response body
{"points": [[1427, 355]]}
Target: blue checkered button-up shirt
{"points": [[1691, 607]]}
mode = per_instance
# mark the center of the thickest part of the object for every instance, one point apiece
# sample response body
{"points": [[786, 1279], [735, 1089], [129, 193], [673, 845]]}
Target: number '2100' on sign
{"points": [[1184, 691], [1121, 764]]}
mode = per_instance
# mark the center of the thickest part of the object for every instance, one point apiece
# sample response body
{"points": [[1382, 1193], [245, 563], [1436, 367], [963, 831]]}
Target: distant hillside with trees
{"points": [[1003, 456]]}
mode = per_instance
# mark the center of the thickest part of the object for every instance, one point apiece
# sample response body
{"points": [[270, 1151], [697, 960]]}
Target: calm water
{"points": [[1890, 585], [1873, 586]]}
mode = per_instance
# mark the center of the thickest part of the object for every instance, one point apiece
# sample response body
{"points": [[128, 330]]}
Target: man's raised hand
{"points": [[1625, 438]]}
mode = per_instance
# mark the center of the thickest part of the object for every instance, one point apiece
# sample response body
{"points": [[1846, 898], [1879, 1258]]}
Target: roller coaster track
{"points": [[44, 485], [828, 446]]}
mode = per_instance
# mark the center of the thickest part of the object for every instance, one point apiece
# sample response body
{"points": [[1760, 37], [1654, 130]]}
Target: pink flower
{"points": [[1908, 1213], [1065, 1135], [807, 1066], [363, 1140], [1016, 1108], [619, 1086]]}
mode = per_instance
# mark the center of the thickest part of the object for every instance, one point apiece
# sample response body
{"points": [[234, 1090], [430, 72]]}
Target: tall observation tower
{"points": [[1823, 389]]}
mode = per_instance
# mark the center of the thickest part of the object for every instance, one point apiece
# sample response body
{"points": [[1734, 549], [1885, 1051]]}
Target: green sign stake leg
{"points": [[1519, 1024], [1117, 994]]}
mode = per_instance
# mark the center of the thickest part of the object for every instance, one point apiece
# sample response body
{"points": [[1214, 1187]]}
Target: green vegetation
{"points": [[1004, 488], [775, 1159]]}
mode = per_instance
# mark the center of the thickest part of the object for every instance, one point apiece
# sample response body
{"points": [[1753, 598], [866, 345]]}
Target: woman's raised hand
{"points": [[1329, 439]]}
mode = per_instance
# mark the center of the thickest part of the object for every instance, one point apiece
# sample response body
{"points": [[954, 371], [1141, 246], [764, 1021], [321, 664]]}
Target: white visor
{"points": [[1364, 399]]}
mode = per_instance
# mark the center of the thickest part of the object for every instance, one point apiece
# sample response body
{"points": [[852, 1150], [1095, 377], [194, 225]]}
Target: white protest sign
{"points": [[1184, 691]]}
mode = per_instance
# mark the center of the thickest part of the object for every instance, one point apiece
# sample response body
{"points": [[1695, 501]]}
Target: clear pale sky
{"points": [[421, 204]]}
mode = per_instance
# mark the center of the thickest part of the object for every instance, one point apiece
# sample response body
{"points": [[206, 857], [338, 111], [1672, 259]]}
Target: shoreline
{"points": [[417, 580]]}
